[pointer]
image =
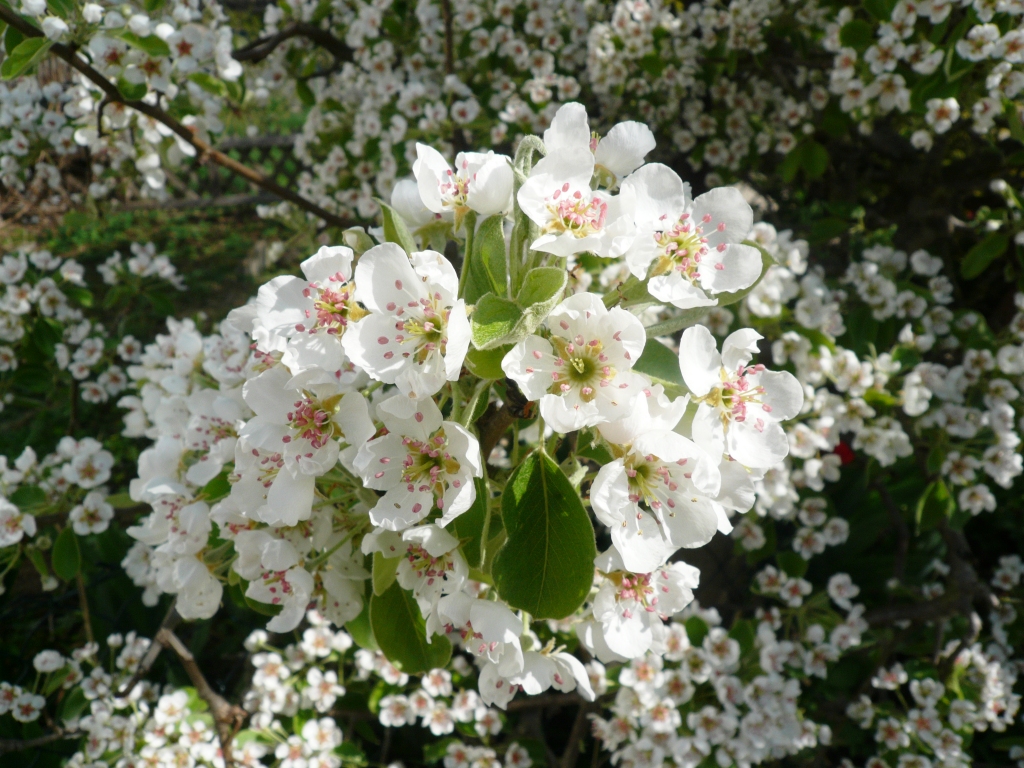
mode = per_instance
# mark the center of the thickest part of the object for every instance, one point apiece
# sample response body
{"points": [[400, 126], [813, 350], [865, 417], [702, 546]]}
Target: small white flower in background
{"points": [[417, 333], [27, 707], [942, 113], [740, 406], [581, 374], [48, 661], [14, 525], [690, 249], [93, 515], [421, 463], [481, 182]]}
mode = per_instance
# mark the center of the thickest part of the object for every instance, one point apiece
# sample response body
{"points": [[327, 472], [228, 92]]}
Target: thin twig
{"points": [[228, 718], [900, 526], [491, 426], [171, 619], [19, 745], [83, 602], [258, 50], [579, 728], [204, 150]]}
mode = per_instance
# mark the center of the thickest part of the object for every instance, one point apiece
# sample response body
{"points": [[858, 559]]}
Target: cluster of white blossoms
{"points": [[352, 428], [893, 64], [182, 49]]}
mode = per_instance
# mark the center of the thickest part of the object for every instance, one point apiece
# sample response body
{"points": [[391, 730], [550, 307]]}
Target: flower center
{"points": [[311, 420], [426, 464], [575, 213], [736, 395], [426, 565], [582, 365], [426, 327], [682, 247], [334, 306]]}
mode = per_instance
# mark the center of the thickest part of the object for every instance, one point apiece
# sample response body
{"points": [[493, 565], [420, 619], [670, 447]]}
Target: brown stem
{"points": [[83, 602], [258, 50], [491, 426], [122, 515], [171, 619], [228, 718], [579, 729], [547, 701], [900, 526], [204, 150], [19, 745]]}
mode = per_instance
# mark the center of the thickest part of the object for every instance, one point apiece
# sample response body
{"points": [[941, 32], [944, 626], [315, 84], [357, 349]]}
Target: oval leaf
{"points": [[485, 267], [984, 253], [385, 569], [65, 558], [27, 53], [546, 565], [400, 632], [494, 321], [395, 230]]}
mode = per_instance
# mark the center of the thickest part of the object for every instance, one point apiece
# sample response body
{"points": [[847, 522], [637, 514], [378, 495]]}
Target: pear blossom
{"points": [[629, 606], [658, 496], [487, 629], [299, 421], [421, 463], [620, 152], [481, 182], [14, 524], [431, 565], [417, 296], [690, 249], [305, 319], [581, 373], [739, 405]]}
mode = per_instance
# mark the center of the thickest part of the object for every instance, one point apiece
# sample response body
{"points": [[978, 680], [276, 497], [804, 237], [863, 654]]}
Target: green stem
{"points": [[474, 401], [467, 255], [456, 412], [321, 559]]}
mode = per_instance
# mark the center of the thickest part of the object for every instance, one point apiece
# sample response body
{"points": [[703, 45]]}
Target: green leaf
{"points": [[696, 629], [359, 627], [263, 609], [209, 83], [814, 159], [660, 362], [57, 679], [12, 39], [790, 562], [217, 488], [790, 165], [934, 505], [120, 501], [684, 319], [29, 497], [357, 239], [61, 8], [400, 632], [385, 570], [546, 566], [1013, 121], [150, 44], [494, 321], [498, 321], [485, 266], [473, 526], [743, 633], [25, 55], [73, 705], [857, 34], [78, 294], [65, 557], [880, 9], [486, 363], [395, 230], [982, 254], [305, 93], [131, 91], [46, 334]]}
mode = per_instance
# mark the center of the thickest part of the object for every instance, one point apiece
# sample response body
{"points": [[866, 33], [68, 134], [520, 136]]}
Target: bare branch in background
{"points": [[204, 150]]}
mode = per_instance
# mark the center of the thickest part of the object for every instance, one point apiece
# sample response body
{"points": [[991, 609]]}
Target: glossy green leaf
{"points": [[395, 230], [494, 322], [150, 44], [66, 558], [983, 254], [790, 562], [546, 565], [25, 55], [472, 526], [857, 34], [486, 266], [385, 570], [131, 91], [486, 363], [28, 497], [209, 83], [659, 362], [400, 632]]}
